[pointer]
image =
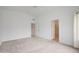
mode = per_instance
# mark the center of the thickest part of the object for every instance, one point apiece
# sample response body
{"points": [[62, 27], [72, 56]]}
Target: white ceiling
{"points": [[36, 10]]}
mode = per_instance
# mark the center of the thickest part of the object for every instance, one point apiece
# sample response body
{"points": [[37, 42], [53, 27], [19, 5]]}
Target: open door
{"points": [[76, 30], [55, 30]]}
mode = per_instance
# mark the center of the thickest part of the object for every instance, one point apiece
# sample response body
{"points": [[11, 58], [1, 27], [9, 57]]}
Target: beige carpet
{"points": [[35, 45]]}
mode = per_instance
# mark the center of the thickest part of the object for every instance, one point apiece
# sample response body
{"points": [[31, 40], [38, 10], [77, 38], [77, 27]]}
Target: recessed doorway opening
{"points": [[55, 30], [33, 31]]}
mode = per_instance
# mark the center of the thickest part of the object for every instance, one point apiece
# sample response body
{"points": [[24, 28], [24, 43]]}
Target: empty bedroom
{"points": [[39, 29]]}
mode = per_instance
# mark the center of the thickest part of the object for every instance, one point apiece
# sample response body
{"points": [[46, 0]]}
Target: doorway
{"points": [[33, 30], [55, 30]]}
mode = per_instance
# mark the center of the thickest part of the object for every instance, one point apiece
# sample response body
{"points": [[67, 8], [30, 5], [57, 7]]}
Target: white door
{"points": [[76, 30]]}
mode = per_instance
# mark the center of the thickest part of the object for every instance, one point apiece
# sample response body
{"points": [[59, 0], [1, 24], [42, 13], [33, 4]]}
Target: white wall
{"points": [[65, 16], [14, 25]]}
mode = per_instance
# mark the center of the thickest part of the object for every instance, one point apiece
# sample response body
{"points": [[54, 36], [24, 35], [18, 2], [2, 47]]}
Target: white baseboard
{"points": [[15, 39], [43, 38]]}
